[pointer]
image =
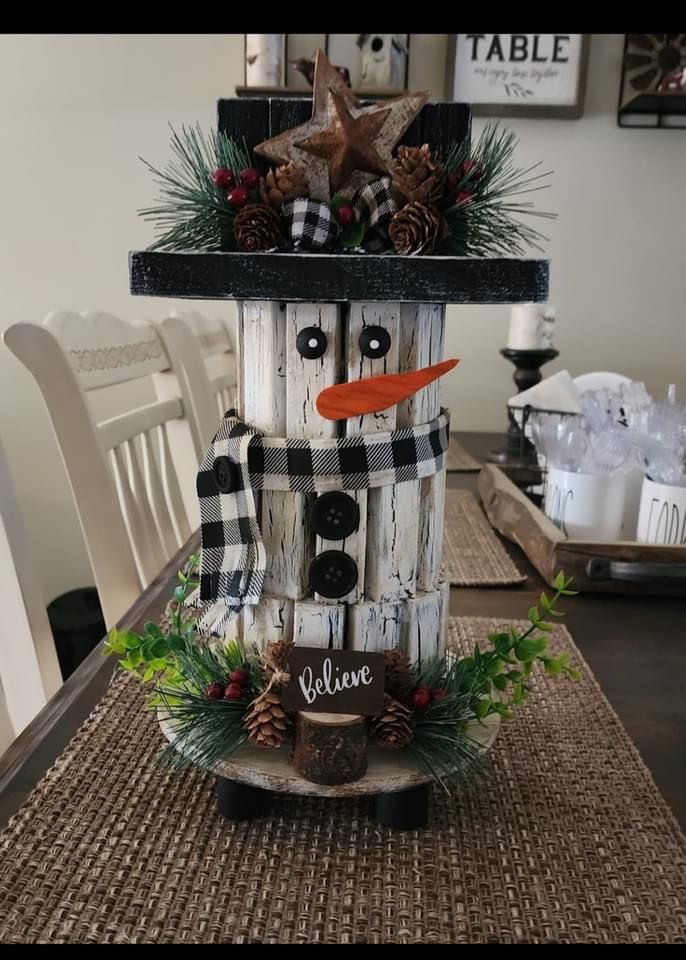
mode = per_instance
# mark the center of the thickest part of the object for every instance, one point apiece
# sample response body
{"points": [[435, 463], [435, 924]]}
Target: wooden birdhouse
{"points": [[383, 60]]}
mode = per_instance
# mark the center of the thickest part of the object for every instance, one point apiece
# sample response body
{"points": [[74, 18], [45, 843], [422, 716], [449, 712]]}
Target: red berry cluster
{"points": [[345, 215], [233, 689], [422, 696], [238, 194], [467, 169]]}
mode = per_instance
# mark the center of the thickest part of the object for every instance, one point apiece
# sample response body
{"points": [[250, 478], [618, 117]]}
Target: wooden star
{"points": [[345, 144], [348, 144]]}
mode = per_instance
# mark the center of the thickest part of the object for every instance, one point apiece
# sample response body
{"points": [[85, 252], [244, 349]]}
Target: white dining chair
{"points": [[29, 668], [204, 348], [135, 498]]}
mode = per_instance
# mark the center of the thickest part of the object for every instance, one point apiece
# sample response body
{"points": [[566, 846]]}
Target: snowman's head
{"points": [[371, 392]]}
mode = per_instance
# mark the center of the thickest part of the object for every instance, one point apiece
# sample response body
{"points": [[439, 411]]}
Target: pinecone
{"points": [[417, 175], [283, 183], [398, 676], [277, 654], [417, 228], [265, 720], [392, 728], [257, 227]]}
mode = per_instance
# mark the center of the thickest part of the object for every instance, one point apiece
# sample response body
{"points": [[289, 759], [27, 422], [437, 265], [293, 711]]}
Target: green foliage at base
{"points": [[494, 680]]}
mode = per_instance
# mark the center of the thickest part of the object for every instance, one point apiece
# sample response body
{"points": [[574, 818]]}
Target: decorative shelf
{"points": [[306, 93], [338, 277]]}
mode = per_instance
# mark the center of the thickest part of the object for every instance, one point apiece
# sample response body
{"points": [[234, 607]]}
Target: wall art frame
{"points": [[519, 75]]}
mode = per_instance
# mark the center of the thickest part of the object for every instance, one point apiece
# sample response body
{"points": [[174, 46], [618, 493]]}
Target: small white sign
{"points": [[521, 69]]}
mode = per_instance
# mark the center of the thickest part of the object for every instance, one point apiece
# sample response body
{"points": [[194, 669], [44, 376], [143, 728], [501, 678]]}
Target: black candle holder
{"points": [[518, 451]]}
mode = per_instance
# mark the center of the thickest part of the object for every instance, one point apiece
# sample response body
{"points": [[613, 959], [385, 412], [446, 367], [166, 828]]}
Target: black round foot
{"points": [[406, 810], [239, 802]]}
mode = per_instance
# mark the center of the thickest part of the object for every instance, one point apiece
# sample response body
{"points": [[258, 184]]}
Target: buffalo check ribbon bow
{"points": [[312, 224], [233, 557]]}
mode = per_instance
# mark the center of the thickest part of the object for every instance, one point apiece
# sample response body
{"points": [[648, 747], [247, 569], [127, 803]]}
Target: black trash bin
{"points": [[77, 625]]}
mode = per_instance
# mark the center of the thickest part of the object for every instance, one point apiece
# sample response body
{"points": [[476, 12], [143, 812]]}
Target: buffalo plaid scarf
{"points": [[233, 559]]}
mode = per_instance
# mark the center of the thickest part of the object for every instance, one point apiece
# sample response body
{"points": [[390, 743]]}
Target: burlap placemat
{"points": [[459, 461], [472, 554], [568, 841]]}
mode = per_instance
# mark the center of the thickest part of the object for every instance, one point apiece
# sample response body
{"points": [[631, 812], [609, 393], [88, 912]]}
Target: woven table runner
{"points": [[472, 554], [568, 841], [458, 460]]}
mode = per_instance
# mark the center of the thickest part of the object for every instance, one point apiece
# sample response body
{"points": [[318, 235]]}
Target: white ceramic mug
{"points": [[662, 514], [585, 506], [632, 502]]}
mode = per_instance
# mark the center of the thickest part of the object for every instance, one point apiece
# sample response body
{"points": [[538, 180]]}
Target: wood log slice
{"points": [[330, 748]]}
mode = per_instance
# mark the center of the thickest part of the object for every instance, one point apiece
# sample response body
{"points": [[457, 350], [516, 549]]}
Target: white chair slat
{"points": [[172, 491], [134, 423], [146, 544], [162, 516]]}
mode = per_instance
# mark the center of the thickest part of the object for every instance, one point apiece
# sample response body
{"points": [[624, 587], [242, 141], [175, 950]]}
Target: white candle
{"points": [[531, 327]]}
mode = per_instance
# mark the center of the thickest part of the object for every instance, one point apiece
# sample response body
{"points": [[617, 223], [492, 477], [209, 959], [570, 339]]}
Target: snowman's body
{"points": [[379, 585]]}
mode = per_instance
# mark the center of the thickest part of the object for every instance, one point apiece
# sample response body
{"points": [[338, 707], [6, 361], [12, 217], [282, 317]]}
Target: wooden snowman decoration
{"points": [[323, 496], [348, 568], [338, 351]]}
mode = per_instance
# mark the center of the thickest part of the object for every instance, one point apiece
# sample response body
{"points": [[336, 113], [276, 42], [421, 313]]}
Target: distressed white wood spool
{"points": [[399, 598]]}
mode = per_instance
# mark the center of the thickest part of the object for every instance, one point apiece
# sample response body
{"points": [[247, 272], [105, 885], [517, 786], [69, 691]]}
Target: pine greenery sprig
{"points": [[206, 730], [192, 213], [441, 743], [486, 223]]}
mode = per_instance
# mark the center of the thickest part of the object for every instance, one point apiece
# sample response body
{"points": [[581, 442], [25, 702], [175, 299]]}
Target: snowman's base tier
{"points": [[381, 585]]}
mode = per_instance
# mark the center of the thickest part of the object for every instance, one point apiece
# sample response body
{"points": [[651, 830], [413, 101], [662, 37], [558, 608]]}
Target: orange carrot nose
{"points": [[358, 397]]}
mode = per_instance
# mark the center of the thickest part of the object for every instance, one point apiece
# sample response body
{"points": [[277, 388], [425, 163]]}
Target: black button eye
{"points": [[334, 516], [333, 574], [375, 342], [225, 475], [311, 343]]}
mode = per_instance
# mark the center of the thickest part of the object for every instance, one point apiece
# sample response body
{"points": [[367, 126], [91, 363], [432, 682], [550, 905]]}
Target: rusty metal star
{"points": [[348, 144], [325, 148]]}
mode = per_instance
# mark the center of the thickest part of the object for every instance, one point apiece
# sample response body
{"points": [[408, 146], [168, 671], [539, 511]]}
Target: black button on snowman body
{"points": [[333, 574], [334, 516]]}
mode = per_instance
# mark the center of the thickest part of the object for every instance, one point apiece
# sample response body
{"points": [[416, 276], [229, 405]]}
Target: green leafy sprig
{"points": [[496, 679], [152, 655]]}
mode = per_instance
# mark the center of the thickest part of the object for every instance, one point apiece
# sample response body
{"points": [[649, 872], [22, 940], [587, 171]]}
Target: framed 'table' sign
{"points": [[519, 74]]}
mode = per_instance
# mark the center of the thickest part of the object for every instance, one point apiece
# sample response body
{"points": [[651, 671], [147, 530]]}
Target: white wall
{"points": [[78, 111]]}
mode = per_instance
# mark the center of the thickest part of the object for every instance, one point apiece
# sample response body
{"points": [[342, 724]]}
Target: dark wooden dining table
{"points": [[635, 646]]}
